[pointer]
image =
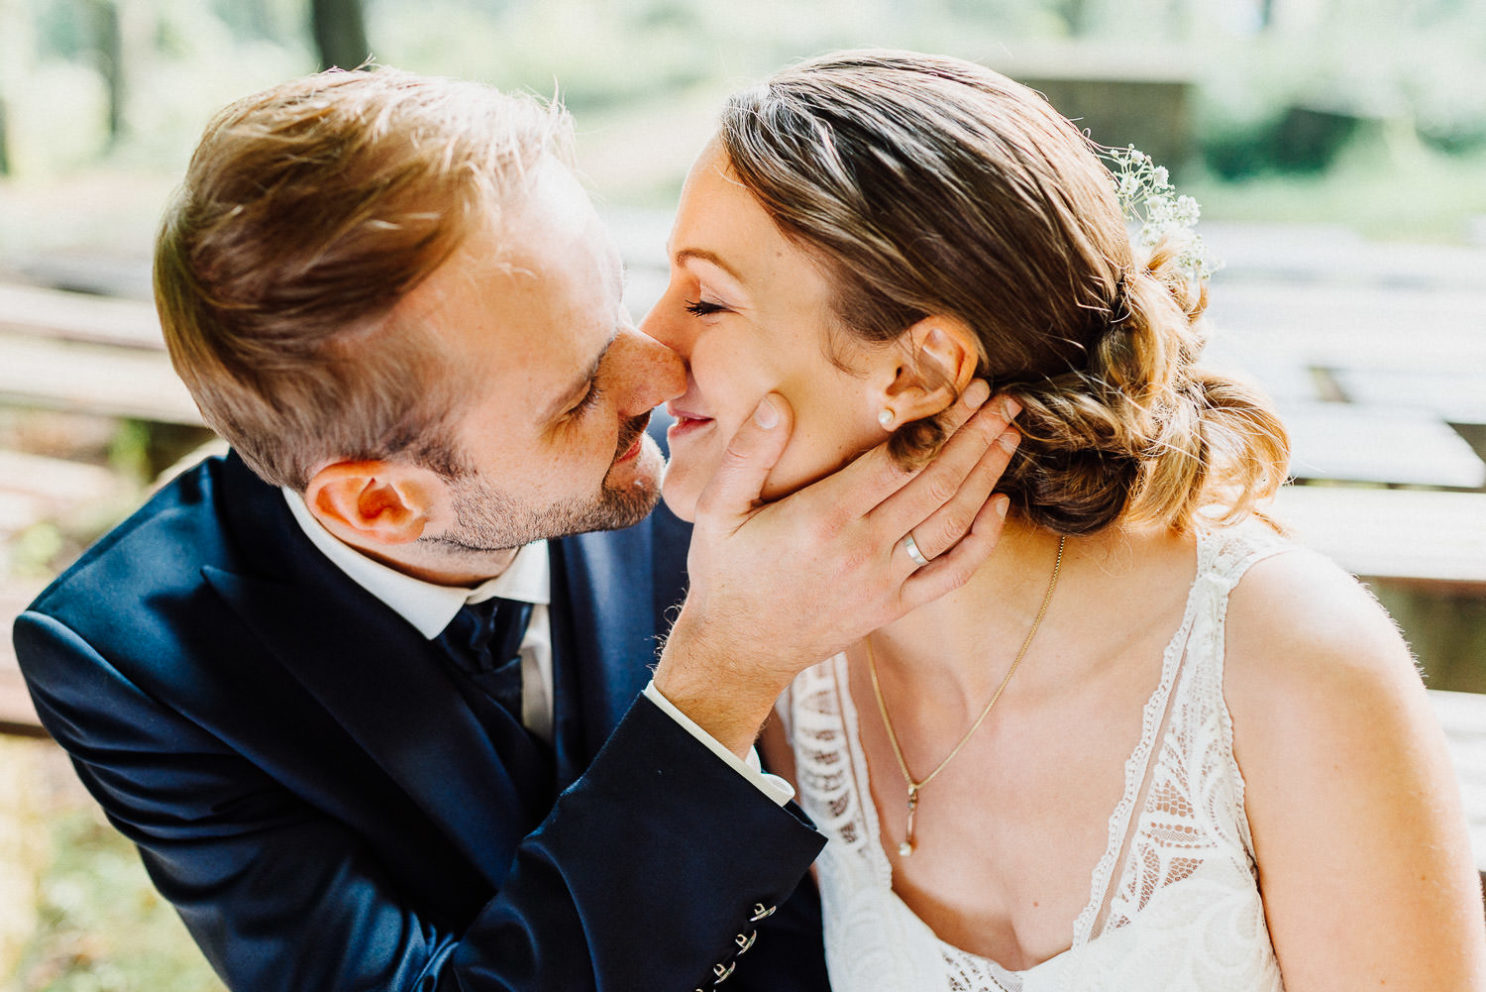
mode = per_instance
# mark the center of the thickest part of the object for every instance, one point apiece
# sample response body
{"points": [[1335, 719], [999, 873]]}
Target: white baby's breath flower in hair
{"points": [[1148, 200]]}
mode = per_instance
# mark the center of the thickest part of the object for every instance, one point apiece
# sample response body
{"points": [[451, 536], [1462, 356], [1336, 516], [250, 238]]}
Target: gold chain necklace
{"points": [[907, 847]]}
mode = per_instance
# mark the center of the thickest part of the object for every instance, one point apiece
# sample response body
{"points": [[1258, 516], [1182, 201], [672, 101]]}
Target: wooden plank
{"points": [[60, 484], [79, 317], [91, 378], [1337, 255], [17, 512], [1463, 717], [1456, 394], [1416, 535], [1379, 444], [17, 714], [1354, 326]]}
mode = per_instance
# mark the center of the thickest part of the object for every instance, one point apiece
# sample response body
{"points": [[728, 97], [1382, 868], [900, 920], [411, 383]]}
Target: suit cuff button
{"points": [[761, 912], [723, 972], [744, 942]]}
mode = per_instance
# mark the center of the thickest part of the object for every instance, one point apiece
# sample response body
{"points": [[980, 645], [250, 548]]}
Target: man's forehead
{"points": [[532, 296], [549, 231]]}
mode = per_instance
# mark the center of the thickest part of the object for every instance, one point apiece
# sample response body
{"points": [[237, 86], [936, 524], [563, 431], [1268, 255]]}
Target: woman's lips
{"points": [[686, 425], [687, 422]]}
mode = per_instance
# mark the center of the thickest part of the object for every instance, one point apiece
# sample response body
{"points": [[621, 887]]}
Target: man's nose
{"points": [[651, 372]]}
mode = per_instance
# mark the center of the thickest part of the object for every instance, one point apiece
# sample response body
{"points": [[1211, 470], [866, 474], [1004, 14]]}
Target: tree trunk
{"points": [[1076, 16], [4, 146], [340, 33], [109, 35]]}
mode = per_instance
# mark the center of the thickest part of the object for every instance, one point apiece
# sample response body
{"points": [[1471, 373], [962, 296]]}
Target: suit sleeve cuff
{"points": [[772, 786]]}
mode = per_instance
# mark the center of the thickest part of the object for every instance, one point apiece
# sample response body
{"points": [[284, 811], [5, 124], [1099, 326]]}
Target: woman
{"points": [[1150, 745]]}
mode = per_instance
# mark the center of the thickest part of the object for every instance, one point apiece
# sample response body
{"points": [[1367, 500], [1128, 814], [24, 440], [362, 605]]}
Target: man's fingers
{"points": [[737, 485], [946, 525], [939, 483], [953, 568]]}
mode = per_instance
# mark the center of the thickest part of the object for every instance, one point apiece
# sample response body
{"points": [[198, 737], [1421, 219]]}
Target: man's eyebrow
{"points": [[704, 255], [572, 394]]}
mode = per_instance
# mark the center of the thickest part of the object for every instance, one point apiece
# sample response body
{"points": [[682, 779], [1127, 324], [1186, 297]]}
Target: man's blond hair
{"points": [[308, 211]]}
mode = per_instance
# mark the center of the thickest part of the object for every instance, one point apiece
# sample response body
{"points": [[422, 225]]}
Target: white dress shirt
{"points": [[429, 607]]}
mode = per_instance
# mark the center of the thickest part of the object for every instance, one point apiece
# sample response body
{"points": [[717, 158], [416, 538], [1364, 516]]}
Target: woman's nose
{"points": [[663, 323]]}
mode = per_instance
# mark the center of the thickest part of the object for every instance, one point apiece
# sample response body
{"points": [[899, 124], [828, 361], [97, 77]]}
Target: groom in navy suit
{"points": [[373, 694]]}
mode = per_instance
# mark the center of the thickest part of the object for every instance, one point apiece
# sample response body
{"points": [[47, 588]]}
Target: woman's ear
{"points": [[373, 501], [935, 362]]}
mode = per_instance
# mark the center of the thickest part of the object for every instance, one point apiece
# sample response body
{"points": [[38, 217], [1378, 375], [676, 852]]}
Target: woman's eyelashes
{"points": [[702, 308]]}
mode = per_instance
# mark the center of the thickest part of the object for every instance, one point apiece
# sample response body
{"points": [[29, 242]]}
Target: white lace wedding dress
{"points": [[1174, 897]]}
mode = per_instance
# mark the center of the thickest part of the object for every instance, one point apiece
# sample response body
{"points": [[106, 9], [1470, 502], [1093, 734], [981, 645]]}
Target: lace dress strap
{"points": [[1192, 814]]}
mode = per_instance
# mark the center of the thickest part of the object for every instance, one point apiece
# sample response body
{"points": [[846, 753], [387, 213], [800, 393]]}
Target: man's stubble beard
{"points": [[487, 519]]}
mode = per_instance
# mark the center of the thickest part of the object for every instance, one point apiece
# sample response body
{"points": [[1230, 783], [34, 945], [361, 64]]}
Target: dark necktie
{"points": [[484, 639]]}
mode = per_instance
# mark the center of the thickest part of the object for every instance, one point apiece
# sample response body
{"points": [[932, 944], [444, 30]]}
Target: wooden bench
{"points": [[17, 715], [1463, 717], [91, 378], [1390, 445], [57, 313], [1420, 537], [80, 353]]}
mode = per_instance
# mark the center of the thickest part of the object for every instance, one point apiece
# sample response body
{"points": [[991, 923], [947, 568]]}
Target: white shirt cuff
{"points": [[772, 786]]}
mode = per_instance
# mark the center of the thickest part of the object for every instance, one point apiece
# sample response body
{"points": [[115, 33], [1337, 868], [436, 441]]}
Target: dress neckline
{"points": [[1137, 766]]}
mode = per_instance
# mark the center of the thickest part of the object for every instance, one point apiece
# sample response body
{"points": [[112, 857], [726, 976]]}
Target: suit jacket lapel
{"points": [[611, 594], [380, 680], [608, 629]]}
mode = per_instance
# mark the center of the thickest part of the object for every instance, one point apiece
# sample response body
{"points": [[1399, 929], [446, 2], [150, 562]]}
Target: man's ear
{"points": [[936, 362], [373, 501]]}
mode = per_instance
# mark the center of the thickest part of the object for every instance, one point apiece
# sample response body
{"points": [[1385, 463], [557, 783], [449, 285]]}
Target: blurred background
{"points": [[1338, 151]]}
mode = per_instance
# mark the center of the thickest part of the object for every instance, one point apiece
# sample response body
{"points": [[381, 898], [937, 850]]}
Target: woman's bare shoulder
{"points": [[1351, 799], [1299, 626]]}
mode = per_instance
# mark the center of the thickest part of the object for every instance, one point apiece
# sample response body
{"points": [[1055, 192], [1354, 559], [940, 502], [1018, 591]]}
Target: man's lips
{"points": [[630, 452], [636, 439]]}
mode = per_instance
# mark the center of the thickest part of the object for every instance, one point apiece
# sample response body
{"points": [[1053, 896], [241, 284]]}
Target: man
{"points": [[349, 689]]}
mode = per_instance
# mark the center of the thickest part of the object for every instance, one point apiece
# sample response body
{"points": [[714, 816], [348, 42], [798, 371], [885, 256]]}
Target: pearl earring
{"points": [[886, 418]]}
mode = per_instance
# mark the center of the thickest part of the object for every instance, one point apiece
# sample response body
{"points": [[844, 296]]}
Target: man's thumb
{"points": [[750, 457]]}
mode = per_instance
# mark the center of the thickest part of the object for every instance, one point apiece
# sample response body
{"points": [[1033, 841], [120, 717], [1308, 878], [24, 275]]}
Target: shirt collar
{"points": [[428, 606]]}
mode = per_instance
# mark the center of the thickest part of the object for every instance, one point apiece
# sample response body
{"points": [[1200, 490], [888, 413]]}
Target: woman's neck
{"points": [[953, 652]]}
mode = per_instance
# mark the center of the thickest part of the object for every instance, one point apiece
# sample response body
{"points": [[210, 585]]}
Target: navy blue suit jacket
{"points": [[312, 785]]}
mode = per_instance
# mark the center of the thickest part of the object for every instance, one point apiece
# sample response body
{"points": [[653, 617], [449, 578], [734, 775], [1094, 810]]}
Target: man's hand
{"points": [[777, 587]]}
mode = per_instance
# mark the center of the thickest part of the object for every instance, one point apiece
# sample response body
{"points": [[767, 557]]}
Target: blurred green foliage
{"points": [[1286, 95], [101, 927]]}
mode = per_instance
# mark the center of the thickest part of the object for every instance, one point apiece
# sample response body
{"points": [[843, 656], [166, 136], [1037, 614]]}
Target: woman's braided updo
{"points": [[933, 186]]}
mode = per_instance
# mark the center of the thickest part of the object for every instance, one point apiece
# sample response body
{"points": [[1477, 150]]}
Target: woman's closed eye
{"points": [[702, 308]]}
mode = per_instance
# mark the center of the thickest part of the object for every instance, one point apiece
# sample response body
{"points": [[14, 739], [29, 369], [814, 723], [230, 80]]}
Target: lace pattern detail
{"points": [[1135, 766], [1184, 911], [1194, 809]]}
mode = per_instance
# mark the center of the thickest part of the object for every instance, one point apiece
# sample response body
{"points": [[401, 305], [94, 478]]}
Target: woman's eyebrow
{"points": [[702, 254]]}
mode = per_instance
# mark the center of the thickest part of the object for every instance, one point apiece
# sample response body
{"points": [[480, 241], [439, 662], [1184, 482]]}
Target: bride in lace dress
{"points": [[1150, 745]]}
